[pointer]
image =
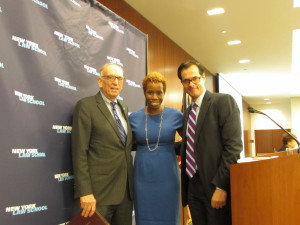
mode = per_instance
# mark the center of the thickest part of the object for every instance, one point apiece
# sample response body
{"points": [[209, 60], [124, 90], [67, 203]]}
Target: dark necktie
{"points": [[190, 153], [119, 123]]}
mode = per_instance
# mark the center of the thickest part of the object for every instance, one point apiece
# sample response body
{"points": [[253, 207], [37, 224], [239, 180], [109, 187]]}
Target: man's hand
{"points": [[88, 205], [218, 199]]}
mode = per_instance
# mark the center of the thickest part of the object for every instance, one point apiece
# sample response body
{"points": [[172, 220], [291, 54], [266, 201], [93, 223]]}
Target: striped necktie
{"points": [[119, 123], [190, 154]]}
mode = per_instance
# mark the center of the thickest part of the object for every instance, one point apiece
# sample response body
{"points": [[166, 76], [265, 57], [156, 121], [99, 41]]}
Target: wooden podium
{"points": [[267, 192]]}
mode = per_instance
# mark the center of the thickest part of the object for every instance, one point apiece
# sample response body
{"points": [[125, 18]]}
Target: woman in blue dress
{"points": [[156, 171]]}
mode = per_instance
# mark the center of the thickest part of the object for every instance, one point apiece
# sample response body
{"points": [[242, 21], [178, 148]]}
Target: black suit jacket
{"points": [[218, 143], [102, 164]]}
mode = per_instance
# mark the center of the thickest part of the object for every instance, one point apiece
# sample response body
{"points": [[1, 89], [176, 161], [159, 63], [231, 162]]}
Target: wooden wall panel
{"points": [[263, 141], [247, 129], [173, 56], [268, 141]]}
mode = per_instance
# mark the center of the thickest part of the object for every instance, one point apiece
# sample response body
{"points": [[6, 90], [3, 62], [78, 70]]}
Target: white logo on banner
{"points": [[115, 27], [131, 52], [114, 60], [28, 44], [1, 65], [93, 33], [28, 153], [65, 38], [28, 99], [62, 129], [75, 3], [23, 209], [91, 70], [41, 3], [64, 84], [63, 177], [133, 84]]}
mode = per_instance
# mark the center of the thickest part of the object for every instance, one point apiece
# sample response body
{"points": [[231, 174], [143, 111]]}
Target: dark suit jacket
{"points": [[102, 164], [282, 149], [218, 142]]}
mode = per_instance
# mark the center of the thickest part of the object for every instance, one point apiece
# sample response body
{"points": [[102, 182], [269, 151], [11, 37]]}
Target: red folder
{"points": [[95, 219]]}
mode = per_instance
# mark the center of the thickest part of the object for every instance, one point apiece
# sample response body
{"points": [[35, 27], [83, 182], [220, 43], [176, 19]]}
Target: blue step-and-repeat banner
{"points": [[50, 55]]}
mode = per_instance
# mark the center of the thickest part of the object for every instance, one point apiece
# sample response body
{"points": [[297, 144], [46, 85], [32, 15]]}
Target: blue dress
{"points": [[156, 176]]}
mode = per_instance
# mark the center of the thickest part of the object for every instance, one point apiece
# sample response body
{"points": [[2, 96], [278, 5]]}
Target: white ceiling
{"points": [[264, 27]]}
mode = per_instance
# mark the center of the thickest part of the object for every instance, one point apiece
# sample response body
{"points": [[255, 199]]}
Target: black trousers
{"points": [[200, 206], [120, 214]]}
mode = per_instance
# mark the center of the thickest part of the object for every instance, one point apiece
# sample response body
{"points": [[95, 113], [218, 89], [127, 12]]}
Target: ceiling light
{"points": [[244, 60], [215, 11], [266, 99], [296, 51], [296, 3], [236, 42], [268, 103], [223, 31]]}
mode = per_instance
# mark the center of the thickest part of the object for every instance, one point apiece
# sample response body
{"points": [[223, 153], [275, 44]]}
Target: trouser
{"points": [[120, 214], [200, 206]]}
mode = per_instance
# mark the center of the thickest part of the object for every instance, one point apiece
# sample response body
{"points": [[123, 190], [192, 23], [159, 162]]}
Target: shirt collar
{"points": [[106, 100], [200, 99]]}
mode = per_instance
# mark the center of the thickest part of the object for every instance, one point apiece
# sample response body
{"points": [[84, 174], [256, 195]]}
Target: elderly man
{"points": [[101, 148]]}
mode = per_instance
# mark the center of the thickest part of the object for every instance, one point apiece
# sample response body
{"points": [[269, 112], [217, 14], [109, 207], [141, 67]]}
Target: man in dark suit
{"points": [[102, 158], [212, 141]]}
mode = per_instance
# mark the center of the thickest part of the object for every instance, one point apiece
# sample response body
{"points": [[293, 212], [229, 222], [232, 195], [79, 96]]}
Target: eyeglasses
{"points": [[113, 78], [195, 80]]}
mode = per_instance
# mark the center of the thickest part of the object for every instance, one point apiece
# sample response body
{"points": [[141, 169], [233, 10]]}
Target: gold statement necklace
{"points": [[146, 129]]}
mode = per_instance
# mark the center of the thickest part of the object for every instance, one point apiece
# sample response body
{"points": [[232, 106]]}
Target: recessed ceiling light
{"points": [[235, 42], [296, 51], [244, 61], [266, 99], [268, 103], [223, 31], [296, 3], [215, 11]]}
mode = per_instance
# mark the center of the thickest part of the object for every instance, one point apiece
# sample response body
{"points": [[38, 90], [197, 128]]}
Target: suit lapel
{"points": [[106, 113], [124, 110], [202, 113]]}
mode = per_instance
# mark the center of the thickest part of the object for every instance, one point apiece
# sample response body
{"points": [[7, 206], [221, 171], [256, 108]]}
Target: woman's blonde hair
{"points": [[154, 77]]}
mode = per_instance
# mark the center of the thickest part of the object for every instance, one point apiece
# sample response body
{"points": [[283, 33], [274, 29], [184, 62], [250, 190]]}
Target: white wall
{"points": [[286, 115], [280, 113], [225, 87], [295, 116]]}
